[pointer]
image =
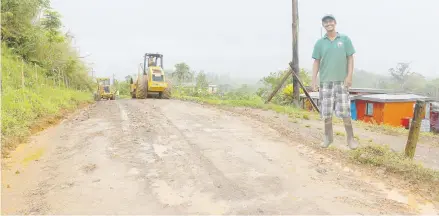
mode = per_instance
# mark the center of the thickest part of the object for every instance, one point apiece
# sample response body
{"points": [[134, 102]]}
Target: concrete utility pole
{"points": [[296, 89]]}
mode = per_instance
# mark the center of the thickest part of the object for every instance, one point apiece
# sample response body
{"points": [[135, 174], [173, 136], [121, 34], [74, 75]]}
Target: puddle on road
{"points": [[33, 157], [410, 200]]}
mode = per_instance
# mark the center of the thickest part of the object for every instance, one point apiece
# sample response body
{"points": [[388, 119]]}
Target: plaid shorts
{"points": [[334, 95]]}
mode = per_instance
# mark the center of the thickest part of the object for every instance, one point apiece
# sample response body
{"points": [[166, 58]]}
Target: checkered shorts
{"points": [[334, 95]]}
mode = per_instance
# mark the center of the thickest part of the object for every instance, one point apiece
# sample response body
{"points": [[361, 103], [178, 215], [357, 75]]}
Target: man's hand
{"points": [[348, 82]]}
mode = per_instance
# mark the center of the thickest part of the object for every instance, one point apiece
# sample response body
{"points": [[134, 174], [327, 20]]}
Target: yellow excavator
{"points": [[103, 89], [151, 82]]}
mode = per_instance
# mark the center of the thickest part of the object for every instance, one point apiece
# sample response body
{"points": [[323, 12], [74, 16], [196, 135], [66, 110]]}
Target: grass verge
{"points": [[394, 162], [381, 156], [30, 107], [289, 110]]}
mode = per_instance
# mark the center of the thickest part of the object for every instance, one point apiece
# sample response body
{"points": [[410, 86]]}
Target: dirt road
{"points": [[172, 157]]}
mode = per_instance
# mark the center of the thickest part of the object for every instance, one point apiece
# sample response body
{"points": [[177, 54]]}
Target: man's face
{"points": [[329, 24]]}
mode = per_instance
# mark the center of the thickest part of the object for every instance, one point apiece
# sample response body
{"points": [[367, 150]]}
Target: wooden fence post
{"points": [[415, 128]]}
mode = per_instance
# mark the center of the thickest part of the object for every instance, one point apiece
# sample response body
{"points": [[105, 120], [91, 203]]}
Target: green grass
{"points": [[395, 162], [253, 103], [391, 130], [340, 133], [41, 98], [382, 128], [124, 96]]}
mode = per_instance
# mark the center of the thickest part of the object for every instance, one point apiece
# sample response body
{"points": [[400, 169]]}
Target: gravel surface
{"points": [[172, 157]]}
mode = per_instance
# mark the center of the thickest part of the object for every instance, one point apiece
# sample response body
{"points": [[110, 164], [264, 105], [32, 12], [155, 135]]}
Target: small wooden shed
{"points": [[354, 92], [306, 103], [386, 108]]}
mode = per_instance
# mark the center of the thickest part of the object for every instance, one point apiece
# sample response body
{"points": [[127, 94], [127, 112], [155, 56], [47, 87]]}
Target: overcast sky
{"points": [[249, 38]]}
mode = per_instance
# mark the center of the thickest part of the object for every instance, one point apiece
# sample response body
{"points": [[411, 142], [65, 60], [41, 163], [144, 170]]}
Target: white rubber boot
{"points": [[352, 143], [328, 137]]}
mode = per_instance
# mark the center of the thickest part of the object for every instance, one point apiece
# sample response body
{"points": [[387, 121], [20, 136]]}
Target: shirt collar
{"points": [[326, 36]]}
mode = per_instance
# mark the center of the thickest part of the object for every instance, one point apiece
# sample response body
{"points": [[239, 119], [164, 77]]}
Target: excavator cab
{"points": [[152, 59], [152, 80], [103, 90]]}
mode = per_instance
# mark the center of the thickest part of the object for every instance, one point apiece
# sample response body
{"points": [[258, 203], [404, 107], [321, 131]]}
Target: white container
{"points": [[425, 125]]}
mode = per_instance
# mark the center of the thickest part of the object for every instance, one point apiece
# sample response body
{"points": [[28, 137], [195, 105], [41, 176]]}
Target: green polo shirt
{"points": [[333, 57]]}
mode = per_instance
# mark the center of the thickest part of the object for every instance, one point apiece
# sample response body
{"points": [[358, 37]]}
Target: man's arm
{"points": [[350, 66], [315, 70], [316, 55], [350, 51]]}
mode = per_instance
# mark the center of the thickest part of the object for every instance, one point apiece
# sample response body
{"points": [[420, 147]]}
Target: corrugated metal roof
{"points": [[370, 90], [315, 95], [391, 97]]}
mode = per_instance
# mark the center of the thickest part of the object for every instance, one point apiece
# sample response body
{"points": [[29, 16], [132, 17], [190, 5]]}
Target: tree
{"points": [[182, 72], [401, 73], [52, 23], [305, 78], [39, 41], [202, 82], [415, 83], [128, 78], [16, 19], [286, 93]]}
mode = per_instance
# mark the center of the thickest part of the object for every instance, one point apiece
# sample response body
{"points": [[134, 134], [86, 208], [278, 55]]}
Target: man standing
{"points": [[333, 58]]}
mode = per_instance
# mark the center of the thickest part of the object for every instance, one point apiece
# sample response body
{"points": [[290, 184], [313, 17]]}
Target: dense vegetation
{"points": [[41, 73], [192, 83], [401, 78]]}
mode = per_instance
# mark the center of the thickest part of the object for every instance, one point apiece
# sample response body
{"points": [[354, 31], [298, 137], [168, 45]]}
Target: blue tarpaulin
{"points": [[353, 110]]}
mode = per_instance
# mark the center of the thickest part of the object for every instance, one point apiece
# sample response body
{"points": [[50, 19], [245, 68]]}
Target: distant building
{"points": [[212, 89]]}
